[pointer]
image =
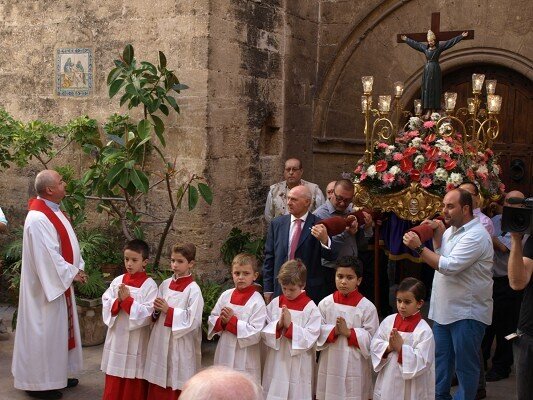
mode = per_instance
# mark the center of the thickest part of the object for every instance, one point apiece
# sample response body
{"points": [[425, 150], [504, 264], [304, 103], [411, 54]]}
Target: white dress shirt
{"points": [[462, 286]]}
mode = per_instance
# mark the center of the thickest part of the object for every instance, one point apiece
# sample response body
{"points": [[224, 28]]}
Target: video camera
{"points": [[518, 219]]}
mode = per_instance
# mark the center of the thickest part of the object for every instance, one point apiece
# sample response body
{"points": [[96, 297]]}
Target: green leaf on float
{"points": [[164, 109], [159, 129], [131, 89], [113, 175], [162, 60], [143, 129], [193, 197], [119, 64], [116, 139], [206, 192], [115, 87], [113, 74], [140, 180], [130, 164], [179, 86], [127, 54], [142, 142]]}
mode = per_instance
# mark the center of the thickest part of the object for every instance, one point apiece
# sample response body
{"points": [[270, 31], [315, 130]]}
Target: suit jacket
{"points": [[309, 250]]}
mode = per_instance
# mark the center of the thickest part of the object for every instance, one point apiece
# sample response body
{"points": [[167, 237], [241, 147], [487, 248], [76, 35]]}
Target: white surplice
{"points": [[242, 351], [290, 363], [345, 371], [174, 353], [414, 378], [41, 359], [127, 336]]}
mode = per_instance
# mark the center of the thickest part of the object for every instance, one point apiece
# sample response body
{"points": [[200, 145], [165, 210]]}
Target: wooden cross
{"points": [[435, 27]]}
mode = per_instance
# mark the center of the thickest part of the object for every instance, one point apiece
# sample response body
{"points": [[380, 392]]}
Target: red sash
{"points": [[67, 253]]}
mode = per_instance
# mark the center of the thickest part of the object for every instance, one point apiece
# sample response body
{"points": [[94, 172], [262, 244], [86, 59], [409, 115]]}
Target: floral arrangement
{"points": [[427, 155]]}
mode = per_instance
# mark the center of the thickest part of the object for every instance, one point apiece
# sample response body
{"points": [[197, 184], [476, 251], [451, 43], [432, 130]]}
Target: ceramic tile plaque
{"points": [[74, 72]]}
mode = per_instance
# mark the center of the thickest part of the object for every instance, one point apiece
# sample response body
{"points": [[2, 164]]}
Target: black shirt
{"points": [[525, 323]]}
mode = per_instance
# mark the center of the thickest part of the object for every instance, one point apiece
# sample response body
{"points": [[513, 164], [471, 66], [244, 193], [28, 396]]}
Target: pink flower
{"points": [[358, 169], [458, 149], [382, 145], [429, 124], [387, 178], [412, 134], [363, 176], [501, 186], [426, 182], [397, 156], [470, 175]]}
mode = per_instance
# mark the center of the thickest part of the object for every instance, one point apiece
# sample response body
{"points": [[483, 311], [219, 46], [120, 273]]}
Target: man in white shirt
{"points": [[47, 339], [461, 300], [276, 203]]}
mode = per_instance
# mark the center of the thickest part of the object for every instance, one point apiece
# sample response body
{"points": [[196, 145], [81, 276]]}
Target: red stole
{"points": [[352, 299], [298, 304], [66, 252], [180, 284], [407, 324], [241, 297], [135, 280]]}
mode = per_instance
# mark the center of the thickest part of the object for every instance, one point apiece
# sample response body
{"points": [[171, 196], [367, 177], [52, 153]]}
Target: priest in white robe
{"points": [[47, 339]]}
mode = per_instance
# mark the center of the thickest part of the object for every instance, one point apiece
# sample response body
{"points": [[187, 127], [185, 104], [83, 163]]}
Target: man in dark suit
{"points": [[296, 236]]}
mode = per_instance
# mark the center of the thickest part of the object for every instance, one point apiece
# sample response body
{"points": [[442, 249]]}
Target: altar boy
{"points": [[293, 327], [127, 311]]}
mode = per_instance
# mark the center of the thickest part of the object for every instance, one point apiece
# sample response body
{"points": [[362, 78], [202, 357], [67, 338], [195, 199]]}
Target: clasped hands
{"points": [[225, 315], [395, 341], [81, 277], [160, 305], [341, 328], [284, 319], [123, 292]]}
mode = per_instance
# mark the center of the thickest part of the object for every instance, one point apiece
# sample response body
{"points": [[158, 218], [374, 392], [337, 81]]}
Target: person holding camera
{"points": [[520, 269], [506, 302]]}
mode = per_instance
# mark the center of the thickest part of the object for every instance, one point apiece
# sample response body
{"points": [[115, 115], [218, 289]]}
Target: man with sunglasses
{"points": [[347, 243], [276, 203]]}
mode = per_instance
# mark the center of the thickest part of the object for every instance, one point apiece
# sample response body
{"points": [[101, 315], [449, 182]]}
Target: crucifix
{"points": [[435, 27]]}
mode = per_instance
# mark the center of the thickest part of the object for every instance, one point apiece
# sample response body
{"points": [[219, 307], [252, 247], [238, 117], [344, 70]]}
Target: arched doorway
{"points": [[515, 142]]}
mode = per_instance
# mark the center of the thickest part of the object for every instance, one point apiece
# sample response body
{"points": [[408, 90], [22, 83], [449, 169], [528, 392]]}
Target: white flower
{"points": [[394, 169], [482, 169], [496, 169], [435, 116], [443, 146], [388, 151], [419, 160], [455, 178], [371, 171], [415, 123], [416, 142], [441, 174]]}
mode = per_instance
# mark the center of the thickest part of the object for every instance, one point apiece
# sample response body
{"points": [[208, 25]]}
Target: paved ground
{"points": [[92, 379]]}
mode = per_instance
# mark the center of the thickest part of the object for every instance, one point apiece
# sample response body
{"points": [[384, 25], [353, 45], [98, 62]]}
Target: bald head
{"points": [[49, 185], [299, 200], [220, 383], [513, 194]]}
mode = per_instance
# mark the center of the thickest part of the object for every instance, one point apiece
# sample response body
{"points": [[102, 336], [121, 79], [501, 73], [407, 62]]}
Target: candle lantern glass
{"points": [[450, 98], [398, 89], [490, 84], [471, 105], [366, 103], [418, 107], [494, 103], [368, 81], [477, 82], [384, 104]]}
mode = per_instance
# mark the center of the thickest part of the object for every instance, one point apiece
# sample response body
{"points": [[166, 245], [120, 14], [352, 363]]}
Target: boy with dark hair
{"points": [[127, 307], [349, 321]]}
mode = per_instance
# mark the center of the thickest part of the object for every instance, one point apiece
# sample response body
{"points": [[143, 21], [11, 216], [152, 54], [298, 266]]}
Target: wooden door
{"points": [[514, 144]]}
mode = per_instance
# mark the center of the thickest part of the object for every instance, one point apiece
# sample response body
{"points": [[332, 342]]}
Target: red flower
{"points": [[408, 152], [451, 164], [432, 153], [381, 165], [450, 186], [429, 167], [406, 165], [430, 138], [415, 175], [458, 149]]}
